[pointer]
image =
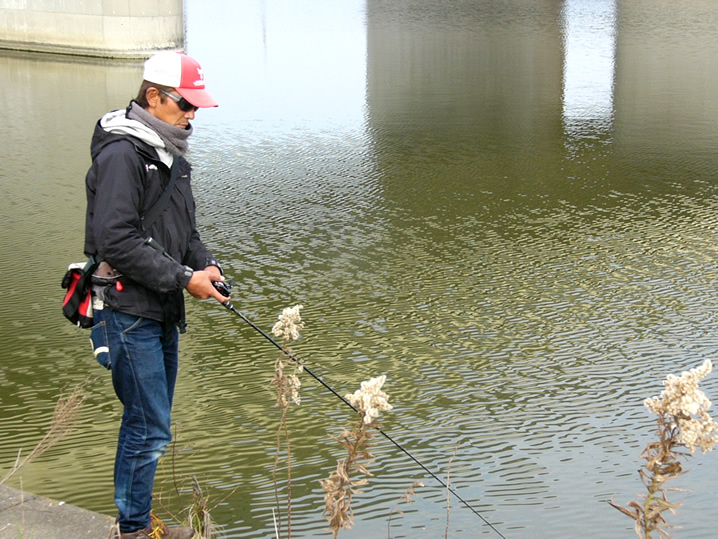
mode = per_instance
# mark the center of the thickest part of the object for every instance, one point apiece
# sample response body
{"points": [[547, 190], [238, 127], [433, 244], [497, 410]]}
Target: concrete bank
{"points": [[24, 515]]}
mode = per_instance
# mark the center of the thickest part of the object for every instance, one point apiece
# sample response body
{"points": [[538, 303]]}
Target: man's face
{"points": [[168, 111]]}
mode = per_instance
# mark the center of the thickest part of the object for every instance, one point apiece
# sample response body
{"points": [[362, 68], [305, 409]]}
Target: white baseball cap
{"points": [[181, 72]]}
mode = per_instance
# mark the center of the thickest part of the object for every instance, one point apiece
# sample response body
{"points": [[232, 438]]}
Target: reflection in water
{"points": [[411, 186], [284, 66], [669, 56], [589, 28]]}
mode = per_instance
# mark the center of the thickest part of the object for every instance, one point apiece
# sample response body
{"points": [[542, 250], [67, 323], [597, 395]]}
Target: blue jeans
{"points": [[144, 356]]}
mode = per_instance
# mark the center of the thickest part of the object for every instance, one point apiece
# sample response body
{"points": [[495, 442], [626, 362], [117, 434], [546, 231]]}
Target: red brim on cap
{"points": [[199, 98]]}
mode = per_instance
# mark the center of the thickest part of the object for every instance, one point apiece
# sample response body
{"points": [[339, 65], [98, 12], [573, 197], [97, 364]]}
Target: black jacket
{"points": [[126, 178]]}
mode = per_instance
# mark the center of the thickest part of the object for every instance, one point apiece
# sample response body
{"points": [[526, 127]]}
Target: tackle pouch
{"points": [[77, 303]]}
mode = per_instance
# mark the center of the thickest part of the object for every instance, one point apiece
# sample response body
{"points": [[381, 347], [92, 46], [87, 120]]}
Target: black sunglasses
{"points": [[182, 103]]}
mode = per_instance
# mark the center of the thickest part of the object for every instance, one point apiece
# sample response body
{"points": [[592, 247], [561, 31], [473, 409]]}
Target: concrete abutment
{"points": [[100, 28]]}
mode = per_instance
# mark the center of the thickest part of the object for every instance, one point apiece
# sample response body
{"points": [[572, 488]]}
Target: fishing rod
{"points": [[223, 288]]}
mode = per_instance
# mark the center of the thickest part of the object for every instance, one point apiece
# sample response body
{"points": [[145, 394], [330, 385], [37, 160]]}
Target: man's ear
{"points": [[153, 97]]}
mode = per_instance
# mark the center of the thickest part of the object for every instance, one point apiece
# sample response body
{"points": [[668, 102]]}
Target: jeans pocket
{"points": [[100, 345]]}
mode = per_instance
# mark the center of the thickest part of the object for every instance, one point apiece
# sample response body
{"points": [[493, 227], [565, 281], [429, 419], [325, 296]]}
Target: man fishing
{"points": [[147, 263]]}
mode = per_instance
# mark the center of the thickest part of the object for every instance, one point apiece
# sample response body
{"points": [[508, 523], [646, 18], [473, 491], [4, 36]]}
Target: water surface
{"points": [[508, 208]]}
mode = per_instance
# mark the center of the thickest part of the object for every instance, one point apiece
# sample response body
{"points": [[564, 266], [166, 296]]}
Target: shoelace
{"points": [[158, 527]]}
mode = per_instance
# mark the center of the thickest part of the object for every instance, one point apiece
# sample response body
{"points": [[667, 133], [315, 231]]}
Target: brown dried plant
{"points": [[287, 385], [67, 410], [448, 491], [339, 489], [197, 513], [199, 516], [407, 497], [683, 422]]}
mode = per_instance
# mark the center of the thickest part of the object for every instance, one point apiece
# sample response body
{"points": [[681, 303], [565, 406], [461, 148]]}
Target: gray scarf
{"points": [[175, 138]]}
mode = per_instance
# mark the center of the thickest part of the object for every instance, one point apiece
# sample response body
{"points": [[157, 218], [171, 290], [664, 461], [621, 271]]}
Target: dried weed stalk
{"points": [[407, 497], [448, 491], [683, 422], [339, 489], [66, 413], [287, 385]]}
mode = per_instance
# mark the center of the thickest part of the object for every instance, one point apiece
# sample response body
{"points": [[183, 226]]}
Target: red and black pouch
{"points": [[77, 303]]}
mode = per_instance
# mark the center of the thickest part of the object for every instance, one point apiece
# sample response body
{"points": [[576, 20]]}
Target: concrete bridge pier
{"points": [[100, 28]]}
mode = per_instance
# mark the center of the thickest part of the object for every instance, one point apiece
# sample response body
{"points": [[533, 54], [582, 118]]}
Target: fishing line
{"points": [[230, 307]]}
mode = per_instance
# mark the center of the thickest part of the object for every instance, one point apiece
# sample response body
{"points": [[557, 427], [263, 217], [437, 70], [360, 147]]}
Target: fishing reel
{"points": [[223, 287]]}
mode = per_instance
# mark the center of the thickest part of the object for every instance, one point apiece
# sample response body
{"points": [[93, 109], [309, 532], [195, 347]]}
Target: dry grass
{"points": [[64, 417], [407, 497]]}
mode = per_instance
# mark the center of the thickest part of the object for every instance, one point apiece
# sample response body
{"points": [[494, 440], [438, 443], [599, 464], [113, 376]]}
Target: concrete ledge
{"points": [[72, 51], [26, 515]]}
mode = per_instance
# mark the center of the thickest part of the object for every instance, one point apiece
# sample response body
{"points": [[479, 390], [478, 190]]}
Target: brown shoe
{"points": [[159, 530]]}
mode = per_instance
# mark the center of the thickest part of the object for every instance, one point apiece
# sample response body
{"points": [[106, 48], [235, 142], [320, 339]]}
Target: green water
{"points": [[508, 208]]}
